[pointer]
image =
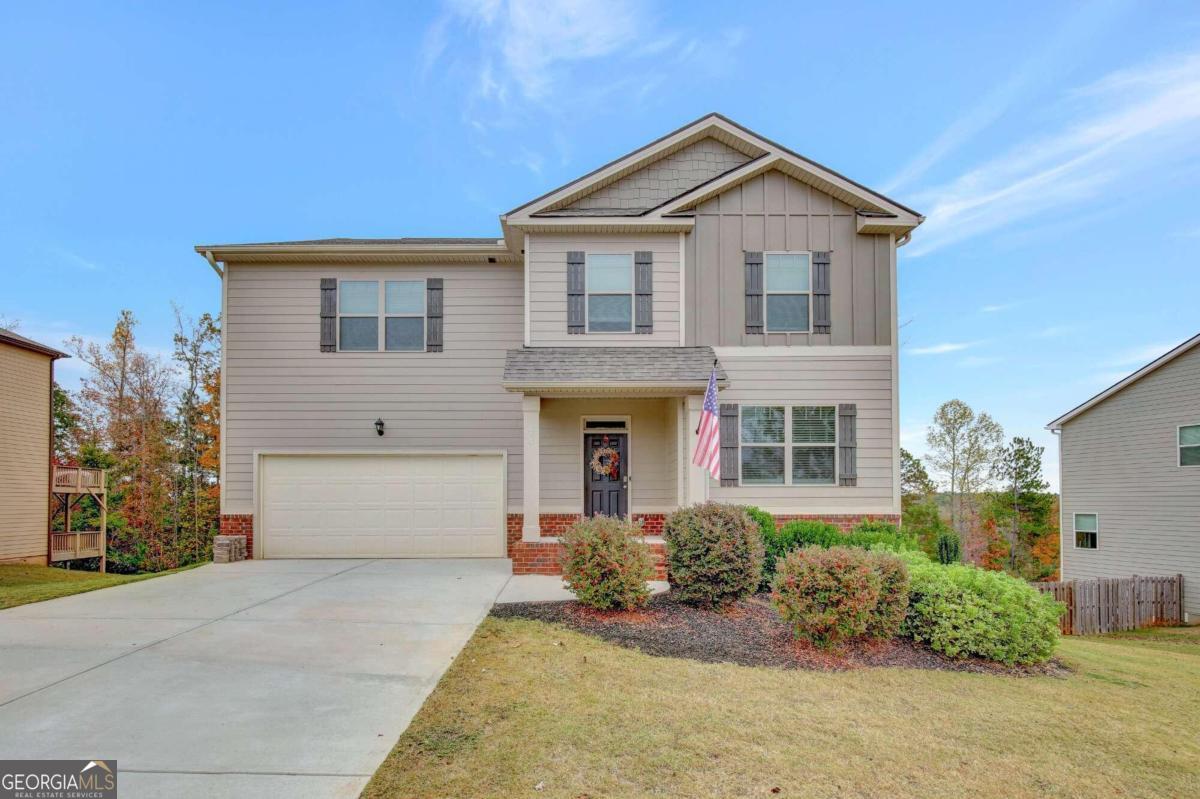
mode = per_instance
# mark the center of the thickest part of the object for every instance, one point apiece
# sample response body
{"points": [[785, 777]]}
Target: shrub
{"points": [[714, 553], [809, 532], [949, 547], [606, 564], [865, 535], [829, 595], [963, 611]]}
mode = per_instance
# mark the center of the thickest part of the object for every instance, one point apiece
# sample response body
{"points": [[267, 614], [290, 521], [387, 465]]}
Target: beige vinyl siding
{"points": [[25, 463], [796, 379], [652, 465], [282, 393], [548, 288], [1120, 461], [776, 212]]}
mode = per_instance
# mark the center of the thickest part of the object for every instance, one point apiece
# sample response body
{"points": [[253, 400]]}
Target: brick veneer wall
{"points": [[240, 524]]}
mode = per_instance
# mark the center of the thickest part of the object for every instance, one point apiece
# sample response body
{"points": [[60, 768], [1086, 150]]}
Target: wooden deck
{"points": [[78, 480], [68, 486]]}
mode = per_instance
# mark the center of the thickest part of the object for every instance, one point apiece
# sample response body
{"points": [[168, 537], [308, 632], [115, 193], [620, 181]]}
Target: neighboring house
{"points": [[450, 397], [26, 378], [1129, 460]]}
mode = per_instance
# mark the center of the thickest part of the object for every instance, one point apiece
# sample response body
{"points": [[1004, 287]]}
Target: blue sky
{"points": [[1055, 148]]}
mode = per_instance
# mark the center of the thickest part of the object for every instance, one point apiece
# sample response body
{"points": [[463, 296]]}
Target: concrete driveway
{"points": [[287, 678]]}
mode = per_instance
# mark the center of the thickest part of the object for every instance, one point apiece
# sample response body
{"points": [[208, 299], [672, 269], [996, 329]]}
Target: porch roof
{"points": [[611, 370]]}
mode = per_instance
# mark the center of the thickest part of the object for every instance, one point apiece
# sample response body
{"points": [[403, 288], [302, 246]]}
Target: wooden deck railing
{"points": [[78, 480], [1108, 605], [81, 544]]}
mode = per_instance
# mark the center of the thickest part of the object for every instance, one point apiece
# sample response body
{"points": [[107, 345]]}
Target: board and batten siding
{"points": [[652, 445], [774, 212], [797, 379], [548, 288], [283, 393], [25, 459], [1120, 461]]}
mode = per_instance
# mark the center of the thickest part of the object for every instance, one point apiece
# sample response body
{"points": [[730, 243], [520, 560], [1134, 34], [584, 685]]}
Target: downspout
{"points": [[208, 256], [900, 242]]}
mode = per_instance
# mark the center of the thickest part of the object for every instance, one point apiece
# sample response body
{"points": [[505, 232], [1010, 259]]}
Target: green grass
{"points": [[21, 584], [528, 703]]}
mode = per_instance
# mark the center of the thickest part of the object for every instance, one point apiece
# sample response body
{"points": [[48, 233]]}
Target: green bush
{"points": [[830, 595], [963, 611], [865, 535], [949, 547], [606, 564], [714, 553], [809, 532]]}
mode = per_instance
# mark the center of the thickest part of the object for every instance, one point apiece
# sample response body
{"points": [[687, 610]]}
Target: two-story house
{"points": [[459, 397]]}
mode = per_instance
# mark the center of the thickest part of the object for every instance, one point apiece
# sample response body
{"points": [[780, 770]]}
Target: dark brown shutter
{"points": [[729, 444], [848, 444], [433, 314], [644, 287], [328, 314], [754, 293], [575, 313], [820, 291]]}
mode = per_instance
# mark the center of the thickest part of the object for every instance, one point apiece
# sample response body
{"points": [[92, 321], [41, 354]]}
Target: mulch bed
{"points": [[748, 633]]}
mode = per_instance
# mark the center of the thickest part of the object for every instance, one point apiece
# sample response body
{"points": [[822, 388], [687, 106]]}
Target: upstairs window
{"points": [[788, 291], [1189, 445], [1087, 528], [609, 287], [399, 328]]}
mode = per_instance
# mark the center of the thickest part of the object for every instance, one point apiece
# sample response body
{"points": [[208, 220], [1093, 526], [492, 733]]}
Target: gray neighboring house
{"points": [[1129, 460], [472, 397]]}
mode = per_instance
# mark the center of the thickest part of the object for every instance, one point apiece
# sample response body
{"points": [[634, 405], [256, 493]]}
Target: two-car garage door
{"points": [[387, 506]]}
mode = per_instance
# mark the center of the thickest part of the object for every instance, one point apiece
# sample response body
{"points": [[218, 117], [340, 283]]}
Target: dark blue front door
{"points": [[605, 483]]}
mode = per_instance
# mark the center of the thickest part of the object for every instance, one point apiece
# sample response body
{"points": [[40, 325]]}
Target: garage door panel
{"points": [[382, 505]]}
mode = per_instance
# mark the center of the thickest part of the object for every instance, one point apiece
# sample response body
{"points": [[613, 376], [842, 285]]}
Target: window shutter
{"points": [[848, 444], [729, 444], [820, 291], [643, 280], [575, 314], [433, 314], [328, 314], [754, 293]]}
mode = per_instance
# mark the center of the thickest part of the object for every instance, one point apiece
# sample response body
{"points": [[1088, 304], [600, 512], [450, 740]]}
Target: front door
{"points": [[605, 482]]}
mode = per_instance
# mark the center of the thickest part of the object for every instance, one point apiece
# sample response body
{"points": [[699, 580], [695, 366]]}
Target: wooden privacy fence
{"points": [[1112, 604]]}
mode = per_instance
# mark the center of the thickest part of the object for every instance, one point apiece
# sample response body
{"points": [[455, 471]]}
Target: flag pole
{"points": [[714, 368]]}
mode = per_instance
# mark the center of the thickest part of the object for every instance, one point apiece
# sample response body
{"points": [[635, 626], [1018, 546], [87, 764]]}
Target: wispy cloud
{"points": [[942, 348], [1139, 356], [1054, 331], [999, 307], [1127, 122], [75, 259]]}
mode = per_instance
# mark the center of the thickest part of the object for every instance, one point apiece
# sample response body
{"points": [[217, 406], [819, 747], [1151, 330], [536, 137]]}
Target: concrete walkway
{"points": [[285, 678]]}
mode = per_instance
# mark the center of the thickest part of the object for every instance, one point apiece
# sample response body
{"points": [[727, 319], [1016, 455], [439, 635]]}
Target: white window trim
{"points": [[381, 314], [587, 293], [788, 444], [1179, 447], [767, 292], [1075, 530]]}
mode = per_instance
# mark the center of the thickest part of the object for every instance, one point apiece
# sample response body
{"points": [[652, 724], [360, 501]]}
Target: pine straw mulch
{"points": [[748, 633]]}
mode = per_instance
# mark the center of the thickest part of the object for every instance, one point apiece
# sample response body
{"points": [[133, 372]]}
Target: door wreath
{"points": [[606, 462]]}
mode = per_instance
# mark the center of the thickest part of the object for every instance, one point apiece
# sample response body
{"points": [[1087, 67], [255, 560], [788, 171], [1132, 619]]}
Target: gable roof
{"points": [[762, 155], [9, 337], [1121, 385]]}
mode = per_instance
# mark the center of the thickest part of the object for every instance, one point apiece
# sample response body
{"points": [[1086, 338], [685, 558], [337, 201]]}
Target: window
{"points": [[1189, 445], [788, 291], [1087, 526], [777, 441], [609, 287], [401, 328]]}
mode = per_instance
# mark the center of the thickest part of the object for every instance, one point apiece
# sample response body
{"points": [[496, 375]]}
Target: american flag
{"points": [[708, 452]]}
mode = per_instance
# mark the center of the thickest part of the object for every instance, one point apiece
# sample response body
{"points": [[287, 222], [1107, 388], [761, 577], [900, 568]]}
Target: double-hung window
{"points": [[609, 286], [788, 292], [1087, 529], [399, 328], [1189, 445], [788, 445]]}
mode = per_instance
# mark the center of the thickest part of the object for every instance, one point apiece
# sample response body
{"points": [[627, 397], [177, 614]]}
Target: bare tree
{"points": [[963, 447]]}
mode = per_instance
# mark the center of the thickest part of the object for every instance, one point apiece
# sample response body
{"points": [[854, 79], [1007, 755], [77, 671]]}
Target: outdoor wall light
{"points": [[379, 426]]}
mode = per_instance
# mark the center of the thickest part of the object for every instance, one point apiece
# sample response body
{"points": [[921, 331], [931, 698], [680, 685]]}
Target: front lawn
{"points": [[534, 709], [21, 584]]}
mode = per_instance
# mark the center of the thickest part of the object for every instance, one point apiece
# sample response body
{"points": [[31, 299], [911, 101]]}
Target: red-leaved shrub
{"points": [[606, 564]]}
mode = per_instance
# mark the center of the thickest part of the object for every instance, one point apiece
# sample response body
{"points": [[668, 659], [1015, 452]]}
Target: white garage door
{"points": [[387, 506]]}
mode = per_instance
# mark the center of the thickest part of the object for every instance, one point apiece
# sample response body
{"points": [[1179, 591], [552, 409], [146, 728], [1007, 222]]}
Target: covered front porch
{"points": [[607, 430]]}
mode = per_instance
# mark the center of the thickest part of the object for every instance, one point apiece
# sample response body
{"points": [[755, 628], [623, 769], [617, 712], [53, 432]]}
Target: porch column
{"points": [[697, 477], [531, 492]]}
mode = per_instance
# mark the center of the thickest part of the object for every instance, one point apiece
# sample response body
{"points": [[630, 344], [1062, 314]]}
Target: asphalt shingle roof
{"points": [[9, 337], [610, 365]]}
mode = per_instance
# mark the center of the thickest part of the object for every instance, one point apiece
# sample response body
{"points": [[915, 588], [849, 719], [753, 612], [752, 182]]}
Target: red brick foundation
{"points": [[542, 557], [240, 524]]}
